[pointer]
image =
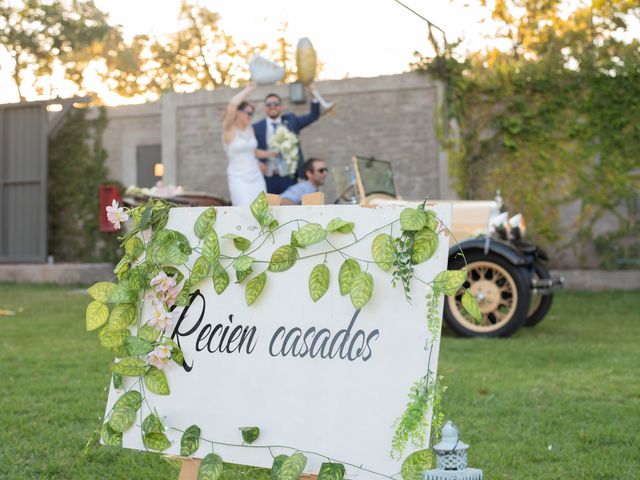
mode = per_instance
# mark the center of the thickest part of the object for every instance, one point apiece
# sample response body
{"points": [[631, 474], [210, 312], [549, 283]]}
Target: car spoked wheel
{"points": [[502, 291]]}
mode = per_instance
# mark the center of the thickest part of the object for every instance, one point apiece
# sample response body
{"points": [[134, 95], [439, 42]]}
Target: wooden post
{"points": [[189, 470]]}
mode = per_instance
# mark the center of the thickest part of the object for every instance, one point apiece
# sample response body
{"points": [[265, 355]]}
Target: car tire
{"points": [[502, 291], [540, 304]]}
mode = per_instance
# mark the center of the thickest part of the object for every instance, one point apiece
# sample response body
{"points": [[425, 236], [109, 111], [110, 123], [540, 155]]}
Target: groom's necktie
{"points": [[275, 126]]}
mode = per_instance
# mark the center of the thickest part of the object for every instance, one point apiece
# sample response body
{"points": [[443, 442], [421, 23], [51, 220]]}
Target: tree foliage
{"points": [[76, 170], [553, 120], [77, 38]]}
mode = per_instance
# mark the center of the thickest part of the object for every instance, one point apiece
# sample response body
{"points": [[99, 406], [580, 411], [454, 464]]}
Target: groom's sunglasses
{"points": [[322, 170], [272, 104]]}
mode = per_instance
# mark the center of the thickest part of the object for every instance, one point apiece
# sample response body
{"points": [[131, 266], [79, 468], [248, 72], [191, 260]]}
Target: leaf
{"points": [[112, 338], [269, 221], [117, 381], [190, 441], [470, 304], [383, 251], [156, 381], [122, 267], [349, 270], [259, 207], [250, 434], [340, 226], [319, 281], [134, 247], [156, 441], [121, 419], [173, 272], [211, 465], [254, 288], [449, 281], [169, 246], [241, 276], [277, 465], [110, 437], [123, 293], [412, 220], [129, 367], [176, 352], [184, 296], [220, 279], [309, 234], [331, 471], [149, 332], [425, 245], [201, 269], [137, 346], [138, 277], [204, 223], [292, 467], [101, 291], [243, 263], [96, 315], [152, 424], [240, 243], [123, 315], [211, 248], [361, 290], [431, 221], [131, 399], [415, 464], [283, 258]]}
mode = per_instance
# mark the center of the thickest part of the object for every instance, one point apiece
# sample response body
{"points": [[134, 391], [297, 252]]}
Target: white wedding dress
{"points": [[244, 177]]}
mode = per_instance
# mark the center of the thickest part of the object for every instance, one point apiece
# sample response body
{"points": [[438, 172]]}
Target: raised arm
{"points": [[314, 111], [232, 108]]}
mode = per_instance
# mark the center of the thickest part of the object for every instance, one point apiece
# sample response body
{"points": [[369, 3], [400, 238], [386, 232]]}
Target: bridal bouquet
{"points": [[286, 142]]}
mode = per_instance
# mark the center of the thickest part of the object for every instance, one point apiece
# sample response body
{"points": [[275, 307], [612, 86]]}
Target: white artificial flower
{"points": [[116, 214]]}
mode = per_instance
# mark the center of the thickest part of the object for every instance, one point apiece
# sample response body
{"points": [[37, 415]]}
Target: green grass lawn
{"points": [[559, 401]]}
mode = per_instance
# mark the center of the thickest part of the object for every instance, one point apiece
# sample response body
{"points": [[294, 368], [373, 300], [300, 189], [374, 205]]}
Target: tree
{"points": [[43, 36]]}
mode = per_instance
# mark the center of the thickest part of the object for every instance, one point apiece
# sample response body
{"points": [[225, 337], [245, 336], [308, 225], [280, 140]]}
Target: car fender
{"points": [[488, 244]]}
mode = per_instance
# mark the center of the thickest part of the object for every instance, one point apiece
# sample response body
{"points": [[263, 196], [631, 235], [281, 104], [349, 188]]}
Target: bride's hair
{"points": [[245, 104]]}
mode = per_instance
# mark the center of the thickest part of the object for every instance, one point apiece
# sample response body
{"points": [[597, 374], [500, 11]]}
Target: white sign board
{"points": [[316, 377]]}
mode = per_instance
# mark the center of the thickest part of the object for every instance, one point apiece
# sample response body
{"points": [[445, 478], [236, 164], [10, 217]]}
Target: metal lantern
{"points": [[451, 458]]}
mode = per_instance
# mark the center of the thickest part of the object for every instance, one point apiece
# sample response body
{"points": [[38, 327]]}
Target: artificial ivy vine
{"points": [[149, 271]]}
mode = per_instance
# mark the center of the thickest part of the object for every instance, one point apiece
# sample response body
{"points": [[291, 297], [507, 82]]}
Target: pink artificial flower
{"points": [[163, 351], [116, 214], [162, 282], [161, 318], [154, 359]]}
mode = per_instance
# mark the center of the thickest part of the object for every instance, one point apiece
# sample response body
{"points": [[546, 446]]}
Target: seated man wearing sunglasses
{"points": [[315, 172], [274, 169]]}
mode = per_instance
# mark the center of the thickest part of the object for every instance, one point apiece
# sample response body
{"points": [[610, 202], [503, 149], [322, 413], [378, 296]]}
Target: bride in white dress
{"points": [[240, 144]]}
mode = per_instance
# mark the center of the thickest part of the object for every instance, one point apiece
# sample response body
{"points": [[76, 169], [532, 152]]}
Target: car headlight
{"points": [[518, 226], [500, 225]]}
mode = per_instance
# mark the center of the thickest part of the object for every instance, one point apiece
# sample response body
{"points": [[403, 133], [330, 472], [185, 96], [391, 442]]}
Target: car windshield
{"points": [[376, 176]]}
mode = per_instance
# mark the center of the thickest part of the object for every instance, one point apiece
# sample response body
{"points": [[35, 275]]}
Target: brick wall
{"points": [[389, 117]]}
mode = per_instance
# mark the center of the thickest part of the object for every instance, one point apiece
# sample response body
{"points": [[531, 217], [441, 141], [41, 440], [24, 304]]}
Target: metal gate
{"points": [[23, 182], [24, 131]]}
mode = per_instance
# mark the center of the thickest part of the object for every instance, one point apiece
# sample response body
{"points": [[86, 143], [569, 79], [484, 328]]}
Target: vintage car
{"points": [[506, 273]]}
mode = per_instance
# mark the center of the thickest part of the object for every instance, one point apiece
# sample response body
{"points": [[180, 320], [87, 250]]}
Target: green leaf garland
{"points": [[349, 270], [319, 281], [254, 288]]}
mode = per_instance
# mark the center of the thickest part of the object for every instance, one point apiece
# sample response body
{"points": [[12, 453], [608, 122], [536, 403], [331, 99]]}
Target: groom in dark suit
{"points": [[273, 169]]}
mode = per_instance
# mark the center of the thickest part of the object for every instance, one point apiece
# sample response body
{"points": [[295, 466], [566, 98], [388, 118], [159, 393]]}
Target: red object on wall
{"points": [[108, 193]]}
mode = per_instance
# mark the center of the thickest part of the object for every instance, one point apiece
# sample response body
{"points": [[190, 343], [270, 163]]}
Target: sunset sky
{"points": [[352, 37]]}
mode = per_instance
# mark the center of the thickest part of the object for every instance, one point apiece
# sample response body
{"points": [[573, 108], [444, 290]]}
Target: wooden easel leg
{"points": [[189, 470]]}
